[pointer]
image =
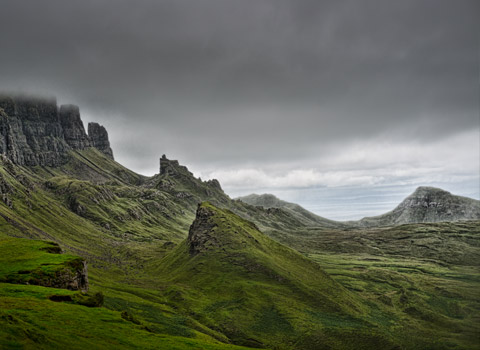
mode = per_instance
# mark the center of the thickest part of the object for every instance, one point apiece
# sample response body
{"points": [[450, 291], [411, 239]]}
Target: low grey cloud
{"points": [[270, 85]]}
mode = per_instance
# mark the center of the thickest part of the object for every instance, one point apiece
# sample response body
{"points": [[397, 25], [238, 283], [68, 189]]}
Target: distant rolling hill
{"points": [[269, 201]]}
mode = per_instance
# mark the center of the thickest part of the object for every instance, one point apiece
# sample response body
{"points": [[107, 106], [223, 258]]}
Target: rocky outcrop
{"points": [[34, 131], [74, 277], [99, 138], [201, 234], [214, 183], [181, 183], [172, 167], [42, 263], [427, 204]]}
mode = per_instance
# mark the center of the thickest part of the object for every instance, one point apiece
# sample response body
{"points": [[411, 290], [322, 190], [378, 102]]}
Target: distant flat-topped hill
{"points": [[427, 204]]}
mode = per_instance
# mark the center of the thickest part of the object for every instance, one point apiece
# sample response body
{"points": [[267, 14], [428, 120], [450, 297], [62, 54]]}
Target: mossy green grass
{"points": [[406, 287]]}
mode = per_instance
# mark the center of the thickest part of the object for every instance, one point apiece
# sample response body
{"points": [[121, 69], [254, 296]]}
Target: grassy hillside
{"points": [[34, 316], [261, 293], [30, 320], [436, 305], [25, 261], [133, 232], [455, 243]]}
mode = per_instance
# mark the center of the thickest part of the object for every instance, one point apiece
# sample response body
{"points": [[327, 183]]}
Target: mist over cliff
{"points": [[36, 131]]}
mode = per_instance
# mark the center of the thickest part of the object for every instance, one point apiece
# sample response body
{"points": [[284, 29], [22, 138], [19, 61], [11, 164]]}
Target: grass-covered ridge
{"points": [[260, 293], [269, 201]]}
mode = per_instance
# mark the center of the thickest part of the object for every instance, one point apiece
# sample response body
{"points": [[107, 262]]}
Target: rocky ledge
{"points": [[35, 131]]}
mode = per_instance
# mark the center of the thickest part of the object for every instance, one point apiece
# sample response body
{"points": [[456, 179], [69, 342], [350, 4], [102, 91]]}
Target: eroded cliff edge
{"points": [[36, 131]]}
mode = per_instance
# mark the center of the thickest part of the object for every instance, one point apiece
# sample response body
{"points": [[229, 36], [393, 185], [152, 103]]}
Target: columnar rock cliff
{"points": [[99, 138], [73, 130], [35, 131]]}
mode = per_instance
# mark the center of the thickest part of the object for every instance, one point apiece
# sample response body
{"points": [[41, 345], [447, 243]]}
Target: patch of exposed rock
{"points": [[172, 167], [201, 234], [73, 278], [214, 183], [71, 274]]}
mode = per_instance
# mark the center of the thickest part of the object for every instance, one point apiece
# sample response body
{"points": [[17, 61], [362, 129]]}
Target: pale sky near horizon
{"points": [[306, 99]]}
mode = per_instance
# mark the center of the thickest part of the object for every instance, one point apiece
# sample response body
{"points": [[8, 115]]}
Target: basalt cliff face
{"points": [[99, 138], [35, 131]]}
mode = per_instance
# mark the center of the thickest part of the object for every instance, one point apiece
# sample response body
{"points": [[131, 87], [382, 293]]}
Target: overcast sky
{"points": [[277, 95]]}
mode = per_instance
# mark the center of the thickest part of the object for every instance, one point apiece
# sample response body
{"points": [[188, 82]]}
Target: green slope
{"points": [[33, 315], [118, 226], [29, 320], [25, 261], [261, 293]]}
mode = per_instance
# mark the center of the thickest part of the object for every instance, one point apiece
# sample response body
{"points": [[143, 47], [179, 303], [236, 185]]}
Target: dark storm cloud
{"points": [[248, 80]]}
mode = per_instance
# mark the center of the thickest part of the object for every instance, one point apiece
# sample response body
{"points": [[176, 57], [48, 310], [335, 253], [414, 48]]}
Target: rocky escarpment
{"points": [[178, 180], [73, 130], [172, 167], [427, 204], [35, 131]]}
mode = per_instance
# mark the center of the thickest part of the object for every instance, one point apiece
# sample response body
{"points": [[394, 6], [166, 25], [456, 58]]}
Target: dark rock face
{"points": [[30, 131], [214, 183], [99, 138], [73, 130], [34, 131], [429, 204], [171, 167], [201, 232], [75, 278]]}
